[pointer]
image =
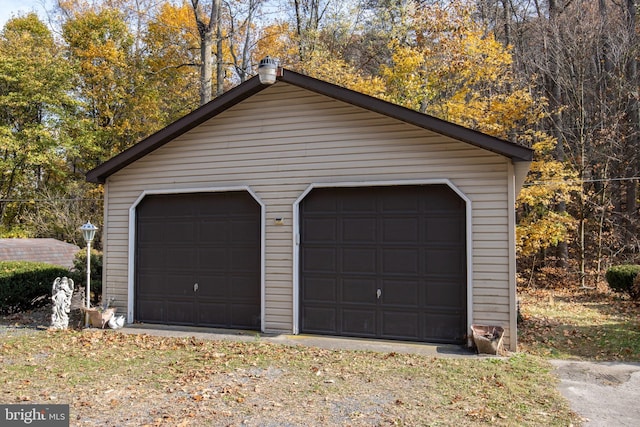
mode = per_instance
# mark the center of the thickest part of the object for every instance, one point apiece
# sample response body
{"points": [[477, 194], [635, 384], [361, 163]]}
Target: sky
{"points": [[9, 8]]}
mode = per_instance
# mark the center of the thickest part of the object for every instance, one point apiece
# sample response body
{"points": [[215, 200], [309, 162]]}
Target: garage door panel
{"points": [[359, 291], [400, 230], [401, 292], [209, 239], [211, 313], [319, 260], [180, 311], [359, 230], [359, 322], [321, 204], [401, 324], [214, 230], [178, 231], [152, 309], [151, 231], [357, 202], [155, 282], [321, 230], [243, 288], [401, 261], [358, 260], [244, 231], [445, 261], [234, 203], [444, 294], [149, 256], [403, 200], [442, 198], [178, 285], [408, 242], [320, 319], [320, 289], [213, 259], [179, 258], [212, 286], [241, 262], [245, 316], [444, 230], [443, 327]]}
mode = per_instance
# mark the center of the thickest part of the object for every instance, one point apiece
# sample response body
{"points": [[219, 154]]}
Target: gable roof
{"points": [[515, 152]]}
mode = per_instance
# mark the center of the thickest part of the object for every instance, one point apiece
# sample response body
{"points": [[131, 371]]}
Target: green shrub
{"points": [[620, 277], [26, 285], [79, 272]]}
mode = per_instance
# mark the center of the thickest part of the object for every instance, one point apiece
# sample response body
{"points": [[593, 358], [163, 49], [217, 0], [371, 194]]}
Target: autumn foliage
{"points": [[560, 78]]}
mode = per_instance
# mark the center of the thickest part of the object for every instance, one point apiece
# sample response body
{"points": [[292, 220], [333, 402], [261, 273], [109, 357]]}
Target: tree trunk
{"points": [[555, 99], [633, 114], [207, 30], [206, 66]]}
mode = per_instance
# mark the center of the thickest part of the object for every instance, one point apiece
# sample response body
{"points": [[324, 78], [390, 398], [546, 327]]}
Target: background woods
{"points": [[95, 77]]}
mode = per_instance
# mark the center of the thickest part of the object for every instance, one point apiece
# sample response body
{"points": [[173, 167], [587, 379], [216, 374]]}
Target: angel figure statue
{"points": [[61, 297]]}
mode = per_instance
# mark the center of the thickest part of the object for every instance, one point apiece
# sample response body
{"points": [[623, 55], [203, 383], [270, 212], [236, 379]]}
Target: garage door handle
{"points": [[195, 287], [379, 293]]}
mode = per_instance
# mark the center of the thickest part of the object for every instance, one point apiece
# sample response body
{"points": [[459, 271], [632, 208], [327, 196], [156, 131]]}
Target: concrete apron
{"points": [[325, 342]]}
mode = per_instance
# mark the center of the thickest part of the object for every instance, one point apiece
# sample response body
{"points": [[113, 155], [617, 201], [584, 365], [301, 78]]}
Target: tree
{"points": [[207, 22], [35, 82], [550, 182], [583, 55], [172, 60], [242, 16], [454, 70]]}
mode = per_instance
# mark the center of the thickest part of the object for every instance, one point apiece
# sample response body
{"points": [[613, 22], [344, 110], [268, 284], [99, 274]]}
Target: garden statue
{"points": [[61, 297]]}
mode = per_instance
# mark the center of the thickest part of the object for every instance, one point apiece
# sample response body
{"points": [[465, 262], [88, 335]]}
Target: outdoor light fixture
{"points": [[267, 71], [88, 232]]}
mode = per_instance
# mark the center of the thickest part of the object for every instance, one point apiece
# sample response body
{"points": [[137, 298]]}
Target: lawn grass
{"points": [[110, 378], [579, 324]]}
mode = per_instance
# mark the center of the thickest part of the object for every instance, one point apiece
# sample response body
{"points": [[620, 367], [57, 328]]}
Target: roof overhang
{"points": [[517, 153]]}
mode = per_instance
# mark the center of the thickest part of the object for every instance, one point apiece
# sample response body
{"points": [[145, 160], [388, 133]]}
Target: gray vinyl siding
{"points": [[283, 139]]}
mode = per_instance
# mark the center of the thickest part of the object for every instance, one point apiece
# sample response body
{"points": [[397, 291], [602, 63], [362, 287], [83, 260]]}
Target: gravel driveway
{"points": [[604, 393]]}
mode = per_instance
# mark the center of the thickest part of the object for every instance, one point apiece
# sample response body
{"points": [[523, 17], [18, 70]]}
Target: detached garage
{"points": [[303, 207]]}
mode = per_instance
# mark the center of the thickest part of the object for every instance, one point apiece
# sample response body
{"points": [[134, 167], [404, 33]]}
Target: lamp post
{"points": [[267, 71], [88, 232]]}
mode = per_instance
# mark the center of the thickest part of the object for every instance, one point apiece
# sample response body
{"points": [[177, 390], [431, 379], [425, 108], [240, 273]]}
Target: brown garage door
{"points": [[384, 262], [198, 260]]}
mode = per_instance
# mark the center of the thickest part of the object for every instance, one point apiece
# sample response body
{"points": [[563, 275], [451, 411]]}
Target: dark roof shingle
{"points": [[50, 251]]}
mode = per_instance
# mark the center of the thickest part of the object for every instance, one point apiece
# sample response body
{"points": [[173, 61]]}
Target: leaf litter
{"points": [[109, 378]]}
